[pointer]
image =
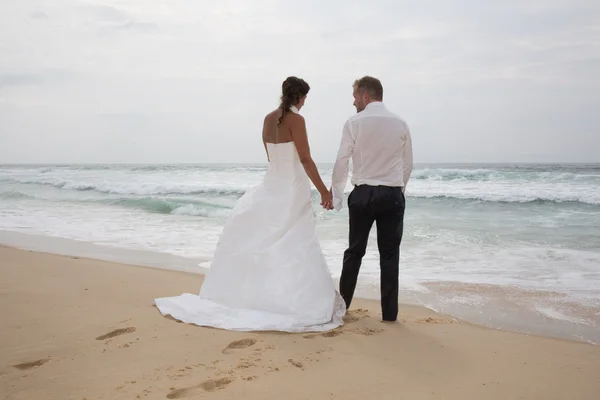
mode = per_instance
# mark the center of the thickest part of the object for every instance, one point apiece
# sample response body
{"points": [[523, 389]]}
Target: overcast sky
{"points": [[164, 81]]}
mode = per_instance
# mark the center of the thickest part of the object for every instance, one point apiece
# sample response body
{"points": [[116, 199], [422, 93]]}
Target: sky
{"points": [[189, 81]]}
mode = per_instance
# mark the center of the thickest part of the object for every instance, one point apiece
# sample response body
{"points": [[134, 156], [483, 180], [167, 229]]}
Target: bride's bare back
{"points": [[273, 132]]}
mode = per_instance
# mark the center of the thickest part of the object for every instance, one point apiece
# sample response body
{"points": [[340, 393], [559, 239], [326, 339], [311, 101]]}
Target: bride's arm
{"points": [[300, 138], [266, 150], [264, 138]]}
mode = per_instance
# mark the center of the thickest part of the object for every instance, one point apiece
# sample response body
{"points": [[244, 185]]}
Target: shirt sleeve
{"points": [[340, 170], [407, 158]]}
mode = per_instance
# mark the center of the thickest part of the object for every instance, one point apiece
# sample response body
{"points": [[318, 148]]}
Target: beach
{"points": [[78, 328], [509, 246]]}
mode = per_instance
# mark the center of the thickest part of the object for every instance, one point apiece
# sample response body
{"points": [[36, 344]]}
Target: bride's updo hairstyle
{"points": [[292, 90]]}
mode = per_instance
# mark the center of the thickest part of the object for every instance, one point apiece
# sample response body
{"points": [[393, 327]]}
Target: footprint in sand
{"points": [[210, 385], [355, 315], [32, 364], [239, 344], [296, 364], [432, 320], [328, 334], [366, 331], [348, 318], [116, 332], [333, 333], [359, 330]]}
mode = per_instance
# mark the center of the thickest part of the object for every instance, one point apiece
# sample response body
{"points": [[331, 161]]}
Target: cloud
{"points": [[140, 27], [99, 12], [38, 15], [34, 78], [18, 79], [110, 18]]}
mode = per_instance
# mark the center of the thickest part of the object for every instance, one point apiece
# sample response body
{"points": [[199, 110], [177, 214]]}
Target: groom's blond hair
{"points": [[371, 85]]}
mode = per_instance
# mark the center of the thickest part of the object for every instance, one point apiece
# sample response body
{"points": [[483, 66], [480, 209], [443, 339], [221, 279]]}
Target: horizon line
{"points": [[317, 162]]}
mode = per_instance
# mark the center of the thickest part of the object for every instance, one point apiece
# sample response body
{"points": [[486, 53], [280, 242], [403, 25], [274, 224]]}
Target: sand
{"points": [[74, 328]]}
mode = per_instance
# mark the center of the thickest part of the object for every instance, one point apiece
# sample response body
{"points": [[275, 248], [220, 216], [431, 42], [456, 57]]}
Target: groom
{"points": [[379, 144]]}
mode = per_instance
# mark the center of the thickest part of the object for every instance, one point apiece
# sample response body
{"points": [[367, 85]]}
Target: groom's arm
{"points": [[340, 169]]}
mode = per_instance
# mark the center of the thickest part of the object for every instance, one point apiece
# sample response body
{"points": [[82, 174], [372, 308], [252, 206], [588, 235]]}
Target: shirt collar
{"points": [[374, 104]]}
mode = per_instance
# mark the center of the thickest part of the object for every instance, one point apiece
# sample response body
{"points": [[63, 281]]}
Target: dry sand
{"points": [[75, 328]]}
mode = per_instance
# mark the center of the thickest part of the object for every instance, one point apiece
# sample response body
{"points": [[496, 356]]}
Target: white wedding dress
{"points": [[268, 271]]}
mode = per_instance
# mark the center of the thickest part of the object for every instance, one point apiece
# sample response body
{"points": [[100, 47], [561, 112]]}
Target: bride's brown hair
{"points": [[292, 90]]}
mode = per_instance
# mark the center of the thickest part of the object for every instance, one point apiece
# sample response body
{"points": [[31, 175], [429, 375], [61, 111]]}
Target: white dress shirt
{"points": [[380, 146]]}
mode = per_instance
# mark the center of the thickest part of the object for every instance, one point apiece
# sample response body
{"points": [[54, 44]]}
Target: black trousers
{"points": [[385, 206]]}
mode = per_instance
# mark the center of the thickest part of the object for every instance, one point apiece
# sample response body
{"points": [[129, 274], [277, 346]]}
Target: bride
{"points": [[268, 271]]}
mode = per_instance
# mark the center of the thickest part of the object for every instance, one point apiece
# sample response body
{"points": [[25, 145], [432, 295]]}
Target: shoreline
{"points": [[502, 307], [77, 328], [436, 316]]}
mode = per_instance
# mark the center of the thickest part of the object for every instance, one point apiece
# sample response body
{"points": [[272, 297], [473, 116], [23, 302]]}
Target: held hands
{"points": [[327, 200]]}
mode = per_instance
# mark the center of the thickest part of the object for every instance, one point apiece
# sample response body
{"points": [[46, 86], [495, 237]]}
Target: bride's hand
{"points": [[327, 200]]}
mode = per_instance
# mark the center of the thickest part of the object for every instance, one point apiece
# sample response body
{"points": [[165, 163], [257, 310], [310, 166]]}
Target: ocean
{"points": [[508, 246]]}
